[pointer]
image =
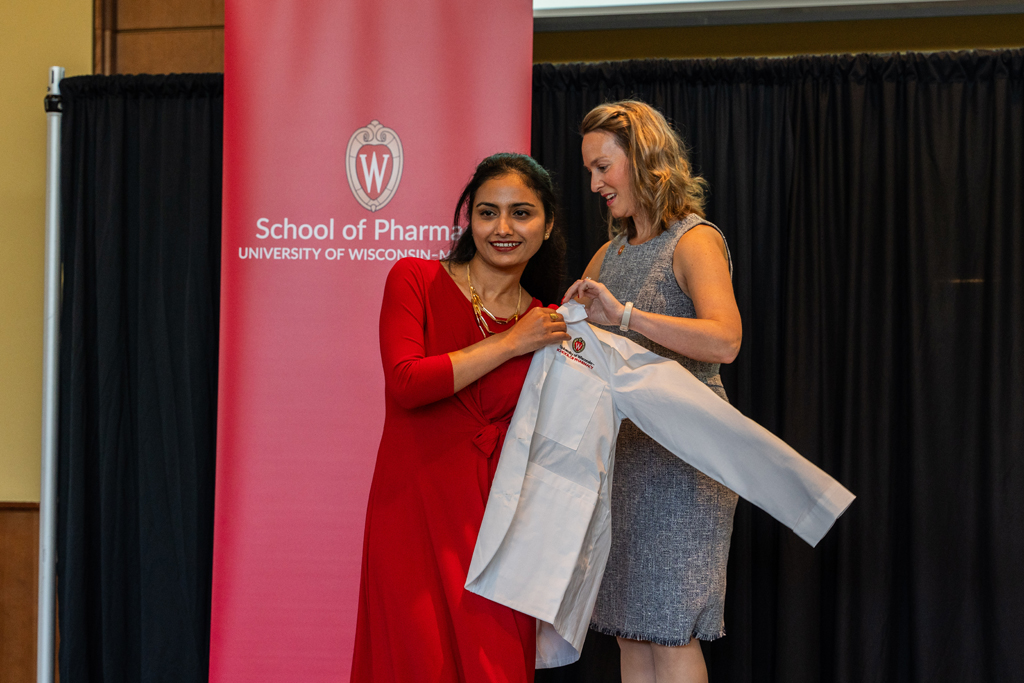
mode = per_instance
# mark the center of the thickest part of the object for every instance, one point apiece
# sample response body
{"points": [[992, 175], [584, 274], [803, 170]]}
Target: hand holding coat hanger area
{"points": [[545, 535]]}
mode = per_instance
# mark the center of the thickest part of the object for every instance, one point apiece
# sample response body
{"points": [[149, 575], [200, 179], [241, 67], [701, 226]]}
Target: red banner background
{"points": [[303, 265]]}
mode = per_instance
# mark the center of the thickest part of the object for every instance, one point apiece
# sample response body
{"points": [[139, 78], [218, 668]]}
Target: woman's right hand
{"points": [[538, 328], [602, 306]]}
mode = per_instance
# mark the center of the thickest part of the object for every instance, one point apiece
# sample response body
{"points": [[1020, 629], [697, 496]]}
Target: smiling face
{"points": [[609, 172], [508, 222]]}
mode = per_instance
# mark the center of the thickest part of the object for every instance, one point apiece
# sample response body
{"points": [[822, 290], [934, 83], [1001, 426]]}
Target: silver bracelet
{"points": [[624, 323]]}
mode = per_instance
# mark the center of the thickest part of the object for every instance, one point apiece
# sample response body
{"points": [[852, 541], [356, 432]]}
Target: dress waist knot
{"points": [[490, 438]]}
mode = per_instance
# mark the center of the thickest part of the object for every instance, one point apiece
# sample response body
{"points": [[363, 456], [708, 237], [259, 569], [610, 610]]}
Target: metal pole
{"points": [[51, 329]]}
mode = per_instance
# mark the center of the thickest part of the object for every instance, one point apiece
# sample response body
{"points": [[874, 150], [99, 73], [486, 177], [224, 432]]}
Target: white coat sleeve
{"points": [[678, 411]]}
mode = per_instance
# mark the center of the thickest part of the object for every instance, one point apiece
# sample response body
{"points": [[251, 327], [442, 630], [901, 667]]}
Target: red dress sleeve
{"points": [[411, 377]]}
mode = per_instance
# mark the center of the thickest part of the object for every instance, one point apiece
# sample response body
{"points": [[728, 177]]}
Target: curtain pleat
{"points": [[141, 200], [874, 206]]}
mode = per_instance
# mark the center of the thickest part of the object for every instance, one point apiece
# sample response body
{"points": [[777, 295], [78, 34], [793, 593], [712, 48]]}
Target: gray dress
{"points": [[671, 525]]}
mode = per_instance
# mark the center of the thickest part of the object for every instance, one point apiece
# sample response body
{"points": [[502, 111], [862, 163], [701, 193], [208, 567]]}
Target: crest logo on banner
{"points": [[374, 165]]}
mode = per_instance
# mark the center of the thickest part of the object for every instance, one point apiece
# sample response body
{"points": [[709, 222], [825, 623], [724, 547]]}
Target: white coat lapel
{"points": [[515, 456], [511, 471]]}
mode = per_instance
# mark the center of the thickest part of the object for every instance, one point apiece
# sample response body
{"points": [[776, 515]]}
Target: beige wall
{"points": [[34, 35]]}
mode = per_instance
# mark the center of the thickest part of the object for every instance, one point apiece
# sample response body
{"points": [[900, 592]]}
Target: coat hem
{"points": [[657, 640]]}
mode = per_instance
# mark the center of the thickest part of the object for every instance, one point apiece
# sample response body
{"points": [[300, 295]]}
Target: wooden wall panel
{"points": [[125, 25], [143, 14], [158, 36], [19, 575], [170, 51]]}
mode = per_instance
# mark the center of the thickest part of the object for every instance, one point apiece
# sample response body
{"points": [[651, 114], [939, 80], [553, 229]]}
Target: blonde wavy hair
{"points": [[661, 179]]}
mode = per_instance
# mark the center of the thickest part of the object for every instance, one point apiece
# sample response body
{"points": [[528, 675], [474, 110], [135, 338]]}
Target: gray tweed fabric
{"points": [[671, 525]]}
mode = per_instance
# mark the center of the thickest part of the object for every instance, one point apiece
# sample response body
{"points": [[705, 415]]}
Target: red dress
{"points": [[437, 457]]}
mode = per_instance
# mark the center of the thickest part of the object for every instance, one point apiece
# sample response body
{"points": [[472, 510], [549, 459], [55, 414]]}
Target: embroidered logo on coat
{"points": [[576, 345]]}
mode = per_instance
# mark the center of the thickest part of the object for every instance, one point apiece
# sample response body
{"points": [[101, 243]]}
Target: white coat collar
{"points": [[573, 311]]}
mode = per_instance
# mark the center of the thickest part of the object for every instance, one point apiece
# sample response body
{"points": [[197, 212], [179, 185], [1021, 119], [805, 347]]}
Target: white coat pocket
{"points": [[567, 404]]}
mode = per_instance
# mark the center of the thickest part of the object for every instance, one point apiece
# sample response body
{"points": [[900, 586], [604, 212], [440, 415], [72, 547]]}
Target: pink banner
{"points": [[349, 130]]}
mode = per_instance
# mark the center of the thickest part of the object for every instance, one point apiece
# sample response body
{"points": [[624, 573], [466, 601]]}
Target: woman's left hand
{"points": [[602, 307]]}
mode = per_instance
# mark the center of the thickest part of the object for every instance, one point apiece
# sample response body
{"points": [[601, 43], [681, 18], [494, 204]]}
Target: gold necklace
{"points": [[479, 310]]}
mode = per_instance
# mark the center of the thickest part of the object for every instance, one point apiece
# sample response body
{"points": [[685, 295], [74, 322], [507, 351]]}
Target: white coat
{"points": [[545, 535]]}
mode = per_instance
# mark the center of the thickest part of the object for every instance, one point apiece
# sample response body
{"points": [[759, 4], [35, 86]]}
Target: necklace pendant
{"points": [[621, 249], [479, 310]]}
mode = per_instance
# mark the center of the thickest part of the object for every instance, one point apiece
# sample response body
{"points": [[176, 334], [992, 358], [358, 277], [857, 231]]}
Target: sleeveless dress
{"points": [[671, 524], [438, 453]]}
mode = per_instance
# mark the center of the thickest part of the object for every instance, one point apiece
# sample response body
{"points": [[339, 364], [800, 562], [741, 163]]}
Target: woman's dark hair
{"points": [[543, 275]]}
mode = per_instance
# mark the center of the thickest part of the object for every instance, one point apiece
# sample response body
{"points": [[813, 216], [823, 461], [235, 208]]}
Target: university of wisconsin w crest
{"points": [[373, 164]]}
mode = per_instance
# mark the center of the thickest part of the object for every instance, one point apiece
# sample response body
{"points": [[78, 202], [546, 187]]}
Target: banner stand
{"points": [[319, 203], [46, 630]]}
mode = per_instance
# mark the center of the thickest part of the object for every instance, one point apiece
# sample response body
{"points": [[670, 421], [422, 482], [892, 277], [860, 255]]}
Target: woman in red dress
{"points": [[456, 339]]}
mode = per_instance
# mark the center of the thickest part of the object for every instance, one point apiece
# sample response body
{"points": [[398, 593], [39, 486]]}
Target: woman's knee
{"points": [[684, 662]]}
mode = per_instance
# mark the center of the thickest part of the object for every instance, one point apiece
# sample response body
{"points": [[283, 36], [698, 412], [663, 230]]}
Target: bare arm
{"points": [[594, 267], [701, 268]]}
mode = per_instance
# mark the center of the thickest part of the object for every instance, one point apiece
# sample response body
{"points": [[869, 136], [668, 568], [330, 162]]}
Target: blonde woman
{"points": [[664, 281]]}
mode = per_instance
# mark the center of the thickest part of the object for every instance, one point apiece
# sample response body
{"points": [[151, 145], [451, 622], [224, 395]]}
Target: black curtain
{"points": [[875, 209], [874, 205], [141, 159]]}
